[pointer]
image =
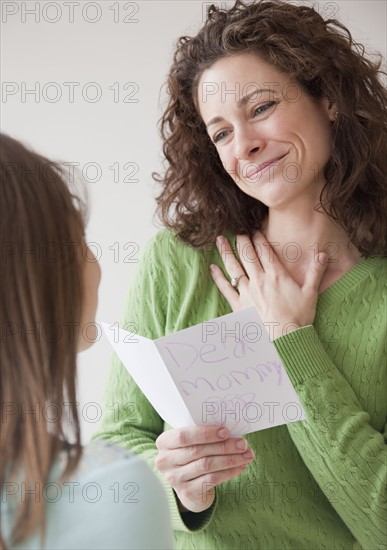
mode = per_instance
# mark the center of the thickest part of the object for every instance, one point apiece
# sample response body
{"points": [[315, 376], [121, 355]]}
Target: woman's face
{"points": [[91, 280], [255, 114]]}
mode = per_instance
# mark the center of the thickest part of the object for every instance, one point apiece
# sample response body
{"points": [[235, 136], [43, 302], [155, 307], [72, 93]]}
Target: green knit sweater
{"points": [[314, 484]]}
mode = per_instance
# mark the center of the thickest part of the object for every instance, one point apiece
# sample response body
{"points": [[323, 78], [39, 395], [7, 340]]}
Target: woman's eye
{"points": [[264, 108], [219, 136], [256, 112]]}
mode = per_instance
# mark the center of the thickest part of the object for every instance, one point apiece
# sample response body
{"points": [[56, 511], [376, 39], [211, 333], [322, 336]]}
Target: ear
{"points": [[330, 108]]}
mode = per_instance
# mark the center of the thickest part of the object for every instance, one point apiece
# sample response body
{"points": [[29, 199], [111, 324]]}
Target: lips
{"points": [[256, 169]]}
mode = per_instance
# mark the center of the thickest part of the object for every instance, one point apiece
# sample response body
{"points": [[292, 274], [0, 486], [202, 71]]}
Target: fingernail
{"points": [[223, 433], [248, 454], [219, 240], [212, 268], [321, 258], [241, 444]]}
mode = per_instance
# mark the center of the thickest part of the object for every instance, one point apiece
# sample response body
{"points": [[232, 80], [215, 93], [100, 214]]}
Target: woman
{"points": [[275, 132], [54, 493]]}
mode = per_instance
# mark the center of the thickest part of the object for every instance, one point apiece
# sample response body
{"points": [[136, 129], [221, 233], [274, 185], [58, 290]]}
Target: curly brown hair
{"points": [[200, 200]]}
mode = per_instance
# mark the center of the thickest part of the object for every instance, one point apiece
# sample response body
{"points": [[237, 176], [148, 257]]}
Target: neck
{"points": [[297, 238]]}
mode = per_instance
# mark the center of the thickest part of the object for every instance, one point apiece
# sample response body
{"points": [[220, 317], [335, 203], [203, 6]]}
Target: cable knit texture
{"points": [[315, 484]]}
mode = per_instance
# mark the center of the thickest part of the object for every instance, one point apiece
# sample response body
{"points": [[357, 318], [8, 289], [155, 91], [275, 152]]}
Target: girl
{"points": [[54, 493]]}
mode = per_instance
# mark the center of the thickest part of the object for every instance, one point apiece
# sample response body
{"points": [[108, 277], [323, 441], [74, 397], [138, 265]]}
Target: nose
{"points": [[247, 143]]}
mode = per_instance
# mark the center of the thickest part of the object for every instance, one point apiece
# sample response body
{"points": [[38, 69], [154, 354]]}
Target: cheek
{"points": [[95, 281], [315, 132], [89, 333], [319, 146], [92, 277], [227, 158]]}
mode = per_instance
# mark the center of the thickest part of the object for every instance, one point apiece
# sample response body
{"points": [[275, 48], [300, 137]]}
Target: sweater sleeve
{"points": [[128, 418], [344, 453]]}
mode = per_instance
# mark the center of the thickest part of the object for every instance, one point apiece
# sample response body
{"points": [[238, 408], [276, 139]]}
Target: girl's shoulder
{"points": [[97, 456]]}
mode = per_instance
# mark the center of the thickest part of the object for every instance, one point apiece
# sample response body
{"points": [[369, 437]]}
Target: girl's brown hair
{"points": [[200, 200], [42, 227]]}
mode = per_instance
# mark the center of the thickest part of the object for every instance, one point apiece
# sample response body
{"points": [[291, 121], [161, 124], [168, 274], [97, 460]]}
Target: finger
{"points": [[211, 464], [225, 286], [231, 263], [185, 455], [224, 475], [190, 435], [316, 272], [225, 250], [265, 252], [248, 256]]}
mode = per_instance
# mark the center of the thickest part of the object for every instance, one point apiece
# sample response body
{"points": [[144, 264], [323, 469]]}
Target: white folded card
{"points": [[224, 371]]}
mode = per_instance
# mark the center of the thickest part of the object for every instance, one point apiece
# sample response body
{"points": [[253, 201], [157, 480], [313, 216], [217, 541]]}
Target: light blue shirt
{"points": [[112, 501]]}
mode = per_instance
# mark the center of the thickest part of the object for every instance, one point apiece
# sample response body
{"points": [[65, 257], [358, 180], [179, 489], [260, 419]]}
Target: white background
{"points": [[47, 44]]}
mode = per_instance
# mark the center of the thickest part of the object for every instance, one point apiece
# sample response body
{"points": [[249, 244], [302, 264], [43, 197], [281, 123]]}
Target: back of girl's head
{"points": [[199, 199], [42, 227]]}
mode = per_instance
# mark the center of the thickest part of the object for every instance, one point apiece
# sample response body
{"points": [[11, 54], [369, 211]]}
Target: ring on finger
{"points": [[235, 280]]}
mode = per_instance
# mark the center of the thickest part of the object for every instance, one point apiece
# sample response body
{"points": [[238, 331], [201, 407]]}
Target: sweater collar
{"points": [[350, 279]]}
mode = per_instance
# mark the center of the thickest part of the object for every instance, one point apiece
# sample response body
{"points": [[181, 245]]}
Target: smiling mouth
{"points": [[258, 169]]}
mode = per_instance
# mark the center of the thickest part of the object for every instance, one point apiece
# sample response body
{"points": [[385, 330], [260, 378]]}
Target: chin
{"points": [[269, 201], [84, 345]]}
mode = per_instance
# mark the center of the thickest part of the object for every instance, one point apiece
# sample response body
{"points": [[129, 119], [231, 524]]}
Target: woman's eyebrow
{"points": [[243, 100], [240, 103]]}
